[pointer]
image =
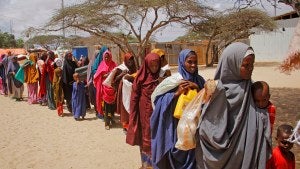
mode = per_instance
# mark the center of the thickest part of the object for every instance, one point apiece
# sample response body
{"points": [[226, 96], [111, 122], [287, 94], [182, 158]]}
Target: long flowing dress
{"points": [[163, 124], [104, 93], [121, 110], [67, 80], [78, 100], [31, 78], [233, 133], [58, 91], [3, 68], [49, 67], [141, 109], [42, 81], [17, 86]]}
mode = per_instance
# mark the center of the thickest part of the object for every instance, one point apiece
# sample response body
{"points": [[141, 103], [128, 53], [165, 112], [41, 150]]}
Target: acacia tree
{"points": [[46, 40], [137, 18], [223, 29]]}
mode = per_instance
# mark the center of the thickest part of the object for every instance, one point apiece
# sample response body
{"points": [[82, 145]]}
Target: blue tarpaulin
{"points": [[77, 51]]}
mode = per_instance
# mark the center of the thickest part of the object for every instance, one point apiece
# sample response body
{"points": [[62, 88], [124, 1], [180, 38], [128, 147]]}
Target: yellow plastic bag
{"points": [[183, 100]]}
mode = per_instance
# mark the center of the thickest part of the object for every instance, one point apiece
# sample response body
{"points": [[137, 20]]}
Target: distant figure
{"points": [[42, 80], [57, 86], [17, 86], [261, 96], [123, 71], [3, 68], [78, 98], [67, 79], [49, 69], [282, 157], [32, 78]]}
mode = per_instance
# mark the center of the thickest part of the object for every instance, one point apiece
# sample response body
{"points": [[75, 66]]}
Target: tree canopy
{"points": [[8, 40], [116, 20], [223, 29]]}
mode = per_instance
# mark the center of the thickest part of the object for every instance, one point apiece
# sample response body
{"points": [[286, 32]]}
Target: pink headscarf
{"points": [[103, 92]]}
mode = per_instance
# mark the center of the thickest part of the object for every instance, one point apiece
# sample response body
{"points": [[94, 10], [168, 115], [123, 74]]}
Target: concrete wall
{"points": [[273, 46]]}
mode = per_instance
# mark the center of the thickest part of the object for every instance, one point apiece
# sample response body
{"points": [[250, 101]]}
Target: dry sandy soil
{"points": [[32, 136]]}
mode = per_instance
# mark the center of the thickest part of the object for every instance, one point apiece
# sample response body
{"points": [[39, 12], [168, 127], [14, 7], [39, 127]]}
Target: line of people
{"points": [[233, 131]]}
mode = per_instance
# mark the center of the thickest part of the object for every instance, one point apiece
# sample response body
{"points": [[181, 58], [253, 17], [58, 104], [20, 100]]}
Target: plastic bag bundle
{"points": [[188, 122]]}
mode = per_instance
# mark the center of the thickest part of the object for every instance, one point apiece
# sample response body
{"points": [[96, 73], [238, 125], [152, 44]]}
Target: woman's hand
{"points": [[185, 86], [105, 75]]}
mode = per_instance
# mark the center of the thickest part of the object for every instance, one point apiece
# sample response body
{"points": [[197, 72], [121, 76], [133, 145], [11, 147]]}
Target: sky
{"points": [[18, 15]]}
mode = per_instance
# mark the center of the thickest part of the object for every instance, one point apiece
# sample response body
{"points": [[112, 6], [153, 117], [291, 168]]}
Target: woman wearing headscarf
{"points": [[126, 68], [17, 86], [233, 133], [42, 79], [165, 69], [140, 107], [105, 94], [31, 78], [57, 86], [92, 68], [3, 74], [49, 68], [67, 79], [163, 124]]}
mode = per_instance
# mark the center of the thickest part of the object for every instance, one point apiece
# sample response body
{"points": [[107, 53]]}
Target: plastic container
{"points": [[183, 100]]}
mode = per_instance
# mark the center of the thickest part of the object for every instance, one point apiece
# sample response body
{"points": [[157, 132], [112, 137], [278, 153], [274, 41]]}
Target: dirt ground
{"points": [[32, 136]]}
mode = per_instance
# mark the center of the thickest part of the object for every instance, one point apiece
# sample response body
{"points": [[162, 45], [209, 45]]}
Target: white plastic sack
{"points": [[126, 94], [188, 122], [166, 85], [110, 77]]}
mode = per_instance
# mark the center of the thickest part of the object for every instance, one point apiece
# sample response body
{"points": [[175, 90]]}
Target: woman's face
{"points": [[106, 57], [247, 67], [154, 66], [190, 63], [130, 62]]}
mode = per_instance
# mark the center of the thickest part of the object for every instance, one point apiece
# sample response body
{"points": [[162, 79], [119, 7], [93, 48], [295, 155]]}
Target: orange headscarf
{"points": [[31, 73]]}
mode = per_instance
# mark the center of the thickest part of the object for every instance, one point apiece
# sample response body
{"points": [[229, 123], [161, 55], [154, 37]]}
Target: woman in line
{"points": [[42, 80], [165, 69], [31, 78], [232, 132], [49, 68], [92, 86], [128, 69], [163, 124], [17, 86], [67, 79], [140, 107], [105, 94], [3, 75], [57, 86]]}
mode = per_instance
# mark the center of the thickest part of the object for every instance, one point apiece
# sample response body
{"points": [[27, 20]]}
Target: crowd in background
{"points": [[233, 131]]}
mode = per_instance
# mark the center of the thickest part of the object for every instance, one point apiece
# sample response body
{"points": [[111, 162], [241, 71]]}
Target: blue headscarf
{"points": [[195, 77], [98, 59]]}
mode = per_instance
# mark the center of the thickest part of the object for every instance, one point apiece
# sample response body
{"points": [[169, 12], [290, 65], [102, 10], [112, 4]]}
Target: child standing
{"points": [[57, 86], [78, 98], [261, 95], [282, 157]]}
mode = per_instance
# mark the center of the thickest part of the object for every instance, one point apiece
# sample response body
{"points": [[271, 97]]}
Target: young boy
{"points": [[78, 98], [261, 95], [282, 157]]}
